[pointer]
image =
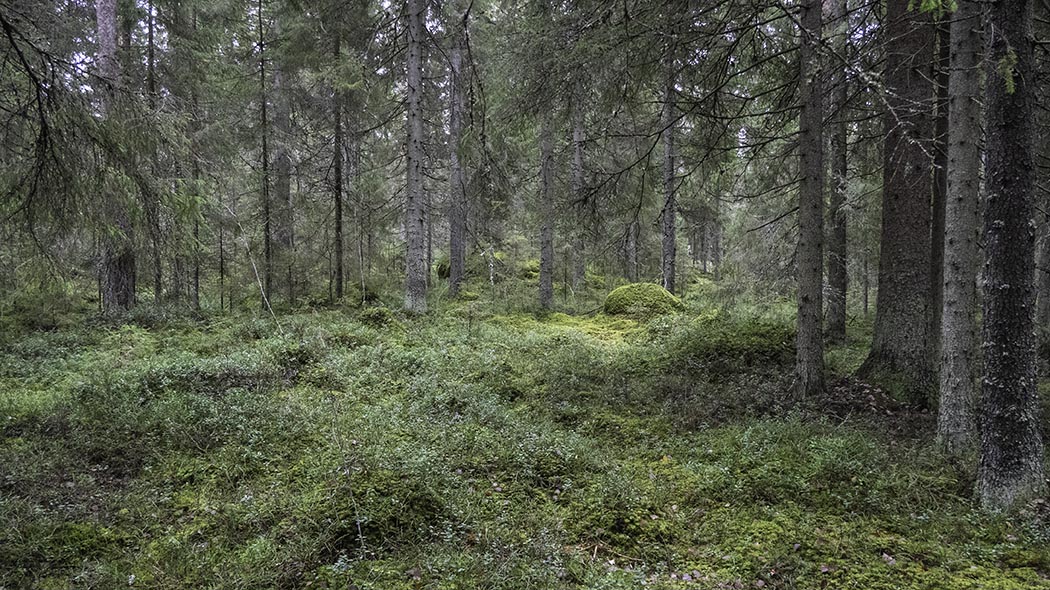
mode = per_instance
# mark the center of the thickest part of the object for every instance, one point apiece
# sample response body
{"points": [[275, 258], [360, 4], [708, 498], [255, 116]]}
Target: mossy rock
{"points": [[376, 316], [641, 299], [529, 269]]}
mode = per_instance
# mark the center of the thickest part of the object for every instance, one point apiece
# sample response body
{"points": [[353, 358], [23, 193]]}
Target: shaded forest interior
{"points": [[524, 294]]}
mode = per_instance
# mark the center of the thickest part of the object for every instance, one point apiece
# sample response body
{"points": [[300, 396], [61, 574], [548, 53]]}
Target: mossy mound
{"points": [[641, 299]]}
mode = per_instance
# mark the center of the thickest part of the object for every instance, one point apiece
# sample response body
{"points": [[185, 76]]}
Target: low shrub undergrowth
{"points": [[367, 450]]}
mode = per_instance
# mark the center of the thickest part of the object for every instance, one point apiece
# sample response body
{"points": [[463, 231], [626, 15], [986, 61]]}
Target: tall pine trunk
{"points": [[579, 267], [940, 185], [838, 278], [415, 215], [669, 215], [284, 234], [264, 126], [118, 254], [901, 345], [809, 359], [337, 172], [958, 372], [153, 204], [457, 185], [546, 214], [1011, 466]]}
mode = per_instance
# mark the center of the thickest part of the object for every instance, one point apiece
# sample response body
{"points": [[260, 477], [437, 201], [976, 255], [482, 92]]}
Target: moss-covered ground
{"points": [[346, 449]]}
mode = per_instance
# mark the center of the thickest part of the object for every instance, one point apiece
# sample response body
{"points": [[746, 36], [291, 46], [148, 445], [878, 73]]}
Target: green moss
{"points": [[529, 269], [641, 300], [376, 316], [516, 451]]}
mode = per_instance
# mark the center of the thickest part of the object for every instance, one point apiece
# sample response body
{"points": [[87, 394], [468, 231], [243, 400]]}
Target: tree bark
{"points": [[118, 254], [337, 171], [546, 214], [669, 215], [940, 185], [153, 210], [1011, 466], [264, 123], [415, 215], [284, 234], [714, 242], [838, 277], [630, 249], [579, 268], [956, 423], [457, 184], [900, 351], [809, 357]]}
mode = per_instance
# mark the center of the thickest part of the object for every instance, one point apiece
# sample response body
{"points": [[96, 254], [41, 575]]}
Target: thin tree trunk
{"points": [[866, 279], [631, 238], [809, 358], [669, 215], [222, 254], [940, 186], [702, 230], [715, 242], [900, 350], [153, 211], [196, 168], [838, 277], [265, 157], [546, 215], [1011, 467], [337, 170], [284, 235], [118, 254], [415, 214], [579, 268], [457, 185], [195, 296], [956, 423]]}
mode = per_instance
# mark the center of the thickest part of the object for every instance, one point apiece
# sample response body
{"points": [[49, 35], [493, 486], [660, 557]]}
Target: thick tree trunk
{"points": [[457, 185], [838, 277], [1011, 466], [415, 204], [900, 350], [118, 254], [546, 214], [809, 358], [1041, 27], [337, 171], [958, 372]]}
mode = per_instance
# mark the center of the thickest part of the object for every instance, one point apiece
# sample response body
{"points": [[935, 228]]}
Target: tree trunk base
{"points": [[905, 382]]}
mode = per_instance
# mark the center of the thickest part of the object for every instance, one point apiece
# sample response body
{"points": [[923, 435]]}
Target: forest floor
{"points": [[363, 449]]}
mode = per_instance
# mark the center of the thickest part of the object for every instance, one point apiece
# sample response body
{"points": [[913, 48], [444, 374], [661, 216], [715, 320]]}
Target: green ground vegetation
{"points": [[470, 449]]}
